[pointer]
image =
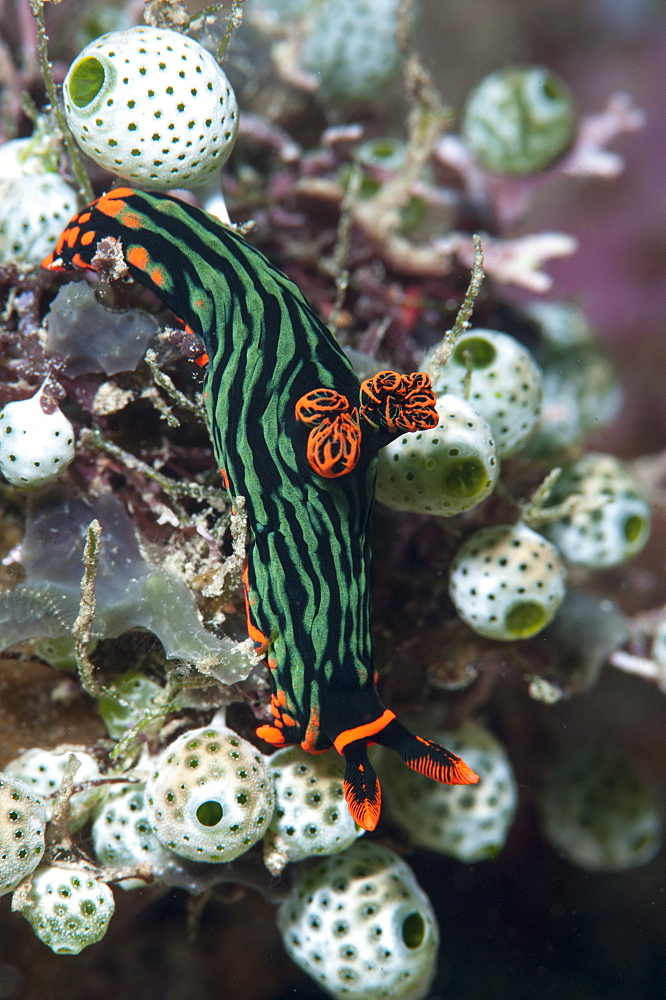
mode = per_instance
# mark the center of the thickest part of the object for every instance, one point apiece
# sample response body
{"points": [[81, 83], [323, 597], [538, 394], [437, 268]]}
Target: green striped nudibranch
{"points": [[294, 433]]}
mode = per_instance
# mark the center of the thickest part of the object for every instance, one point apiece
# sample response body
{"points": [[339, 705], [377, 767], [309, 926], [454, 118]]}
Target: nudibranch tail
{"points": [[361, 786], [426, 756]]}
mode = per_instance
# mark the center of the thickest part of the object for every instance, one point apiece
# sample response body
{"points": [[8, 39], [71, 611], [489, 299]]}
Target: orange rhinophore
{"points": [[399, 403], [334, 443]]}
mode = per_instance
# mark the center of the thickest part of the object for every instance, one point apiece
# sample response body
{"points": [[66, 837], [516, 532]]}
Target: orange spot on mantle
{"points": [[131, 220], [138, 257], [113, 202]]}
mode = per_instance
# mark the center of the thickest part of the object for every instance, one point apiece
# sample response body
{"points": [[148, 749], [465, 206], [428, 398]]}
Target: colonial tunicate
{"points": [[67, 908], [22, 822], [210, 796], [310, 815], [362, 927], [446, 470], [36, 443], [151, 105], [507, 582], [519, 120], [469, 822], [499, 378]]}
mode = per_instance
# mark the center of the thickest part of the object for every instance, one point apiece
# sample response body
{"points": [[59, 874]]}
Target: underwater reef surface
{"points": [[531, 915]]}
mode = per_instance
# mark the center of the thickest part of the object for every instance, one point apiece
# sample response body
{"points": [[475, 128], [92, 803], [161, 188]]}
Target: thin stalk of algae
{"points": [[233, 22], [342, 246], [438, 357], [164, 382], [85, 187], [173, 488], [81, 629], [234, 19]]}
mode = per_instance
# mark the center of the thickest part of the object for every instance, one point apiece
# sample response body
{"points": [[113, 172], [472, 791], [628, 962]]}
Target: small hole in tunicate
{"points": [[525, 619], [413, 930], [633, 527], [210, 813], [86, 81]]}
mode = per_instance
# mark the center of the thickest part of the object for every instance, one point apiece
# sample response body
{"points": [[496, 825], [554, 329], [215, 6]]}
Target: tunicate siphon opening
{"points": [[86, 81], [475, 351], [553, 89], [525, 619], [210, 813], [382, 152], [633, 527], [413, 929], [465, 478]]}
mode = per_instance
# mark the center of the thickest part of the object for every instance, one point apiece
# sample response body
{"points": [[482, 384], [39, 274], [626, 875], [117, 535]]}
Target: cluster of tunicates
{"points": [[357, 922], [507, 581], [207, 798], [176, 795]]}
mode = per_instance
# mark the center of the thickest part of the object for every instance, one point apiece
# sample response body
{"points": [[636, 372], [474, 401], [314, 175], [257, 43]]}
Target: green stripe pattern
{"points": [[308, 554]]}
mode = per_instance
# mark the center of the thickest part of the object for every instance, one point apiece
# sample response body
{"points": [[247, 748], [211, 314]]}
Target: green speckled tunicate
{"points": [[446, 470], [310, 817], [519, 120], [151, 105], [352, 49], [611, 519], [362, 927], [598, 812], [209, 795], [67, 908], [22, 824], [470, 823]]}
